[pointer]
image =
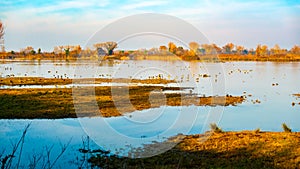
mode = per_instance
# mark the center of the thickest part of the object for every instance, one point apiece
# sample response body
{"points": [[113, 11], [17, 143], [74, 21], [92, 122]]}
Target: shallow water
{"points": [[272, 84]]}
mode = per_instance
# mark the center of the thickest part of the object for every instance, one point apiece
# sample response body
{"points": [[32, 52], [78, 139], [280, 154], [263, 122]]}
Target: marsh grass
{"points": [[286, 128], [112, 101], [257, 130], [19, 81], [215, 128], [245, 149]]}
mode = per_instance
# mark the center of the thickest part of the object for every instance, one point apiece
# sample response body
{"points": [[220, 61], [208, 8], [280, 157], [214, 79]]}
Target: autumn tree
{"points": [[275, 50], [58, 50], [208, 49], [216, 48], [194, 46], [2, 36], [239, 49], [295, 49], [180, 51], [87, 52], [258, 50], [228, 48], [251, 51], [108, 46], [264, 50], [261, 50], [27, 50], [172, 47], [68, 50], [163, 48], [76, 50]]}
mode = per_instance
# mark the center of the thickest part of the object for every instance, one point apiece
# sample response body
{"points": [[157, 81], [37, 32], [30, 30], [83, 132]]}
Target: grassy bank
{"points": [[289, 57], [111, 101], [245, 149], [17, 81]]}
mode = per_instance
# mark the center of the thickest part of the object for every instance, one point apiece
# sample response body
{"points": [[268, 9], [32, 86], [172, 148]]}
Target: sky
{"points": [[48, 23]]}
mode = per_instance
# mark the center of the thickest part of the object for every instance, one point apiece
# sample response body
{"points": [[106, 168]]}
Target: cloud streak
{"points": [[143, 5]]}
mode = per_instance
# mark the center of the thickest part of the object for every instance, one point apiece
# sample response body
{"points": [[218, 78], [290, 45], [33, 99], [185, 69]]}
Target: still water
{"points": [[269, 83]]}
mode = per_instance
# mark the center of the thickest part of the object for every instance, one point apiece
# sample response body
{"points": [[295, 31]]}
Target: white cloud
{"points": [[143, 4]]}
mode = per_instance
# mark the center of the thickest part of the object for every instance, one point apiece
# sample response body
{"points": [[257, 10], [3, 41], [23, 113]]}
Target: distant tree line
{"points": [[193, 51]]}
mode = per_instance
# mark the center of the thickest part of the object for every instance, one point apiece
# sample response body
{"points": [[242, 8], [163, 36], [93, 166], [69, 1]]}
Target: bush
{"points": [[215, 128], [257, 130], [286, 128]]}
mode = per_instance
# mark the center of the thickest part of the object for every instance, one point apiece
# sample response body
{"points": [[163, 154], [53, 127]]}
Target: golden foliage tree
{"points": [[276, 50], [216, 48], [163, 48], [180, 51], [193, 46], [206, 48], [239, 49], [228, 47], [258, 50], [264, 50], [295, 49], [172, 47], [261, 50]]}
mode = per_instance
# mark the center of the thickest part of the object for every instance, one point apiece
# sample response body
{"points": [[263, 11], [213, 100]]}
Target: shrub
{"points": [[215, 128], [286, 128]]}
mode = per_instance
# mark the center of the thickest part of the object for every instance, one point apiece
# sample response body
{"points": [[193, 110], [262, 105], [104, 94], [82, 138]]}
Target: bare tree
{"points": [[108, 46], [1, 29], [2, 36]]}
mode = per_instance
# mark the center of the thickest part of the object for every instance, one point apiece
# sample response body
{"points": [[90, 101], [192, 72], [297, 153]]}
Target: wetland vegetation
{"points": [[243, 149], [59, 103]]}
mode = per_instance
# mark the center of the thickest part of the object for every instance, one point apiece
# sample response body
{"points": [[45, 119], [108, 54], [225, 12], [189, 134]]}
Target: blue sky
{"points": [[48, 23]]}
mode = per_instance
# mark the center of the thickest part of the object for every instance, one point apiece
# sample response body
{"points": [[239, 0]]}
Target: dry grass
{"points": [[220, 57], [245, 149], [109, 101], [14, 81]]}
